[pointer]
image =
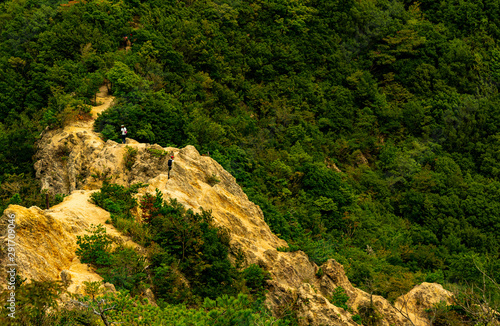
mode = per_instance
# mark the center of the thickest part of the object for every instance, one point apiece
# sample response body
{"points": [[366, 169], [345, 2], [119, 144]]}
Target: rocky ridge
{"points": [[76, 160]]}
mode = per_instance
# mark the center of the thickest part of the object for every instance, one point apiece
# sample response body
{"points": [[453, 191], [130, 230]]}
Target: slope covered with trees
{"points": [[368, 131]]}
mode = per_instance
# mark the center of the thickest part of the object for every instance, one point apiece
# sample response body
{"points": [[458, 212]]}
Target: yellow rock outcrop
{"points": [[75, 161]]}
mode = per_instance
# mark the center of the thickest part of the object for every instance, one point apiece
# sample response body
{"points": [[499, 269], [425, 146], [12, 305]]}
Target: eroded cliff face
{"points": [[75, 161], [46, 240]]}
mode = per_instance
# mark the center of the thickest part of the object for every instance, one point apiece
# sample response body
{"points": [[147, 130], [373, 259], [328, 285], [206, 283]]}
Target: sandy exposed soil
{"points": [[78, 206]]}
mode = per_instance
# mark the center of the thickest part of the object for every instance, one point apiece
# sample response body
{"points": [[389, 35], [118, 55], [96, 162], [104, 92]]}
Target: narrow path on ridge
{"points": [[104, 100], [81, 201], [78, 204]]}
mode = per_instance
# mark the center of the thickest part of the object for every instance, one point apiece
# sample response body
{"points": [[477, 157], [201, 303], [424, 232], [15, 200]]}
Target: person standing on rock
{"points": [[124, 134], [170, 162]]}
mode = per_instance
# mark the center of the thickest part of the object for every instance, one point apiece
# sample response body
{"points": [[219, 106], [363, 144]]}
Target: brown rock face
{"points": [[75, 161]]}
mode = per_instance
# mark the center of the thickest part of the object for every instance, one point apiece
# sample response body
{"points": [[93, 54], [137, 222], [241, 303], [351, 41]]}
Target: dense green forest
{"points": [[367, 130]]}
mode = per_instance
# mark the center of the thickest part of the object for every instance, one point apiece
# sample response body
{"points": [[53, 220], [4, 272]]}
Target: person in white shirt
{"points": [[124, 134]]}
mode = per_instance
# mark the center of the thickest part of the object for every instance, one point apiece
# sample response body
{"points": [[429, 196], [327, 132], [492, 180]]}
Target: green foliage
{"points": [[116, 199], [442, 314], [20, 189], [160, 153], [121, 308], [130, 227], [188, 258], [94, 248], [319, 250], [124, 80], [64, 108], [198, 249], [36, 304], [59, 198], [156, 116], [170, 286], [368, 315], [255, 278], [146, 133], [126, 270], [15, 200], [339, 298], [110, 132], [129, 157], [212, 180], [234, 311], [357, 318], [120, 201], [122, 266]]}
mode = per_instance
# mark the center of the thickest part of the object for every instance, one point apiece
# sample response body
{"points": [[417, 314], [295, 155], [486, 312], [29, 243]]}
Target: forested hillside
{"points": [[367, 130]]}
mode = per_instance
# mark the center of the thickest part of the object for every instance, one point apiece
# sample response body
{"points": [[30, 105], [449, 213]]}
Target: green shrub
{"points": [[59, 198], [146, 133], [319, 250], [339, 298], [170, 286], [212, 180], [255, 278], [23, 190], [123, 266], [126, 270], [290, 248], [36, 304], [227, 310], [368, 314], [224, 311], [15, 200], [129, 157], [156, 152], [130, 227], [94, 248], [110, 132], [151, 205], [435, 277], [199, 249], [116, 199]]}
